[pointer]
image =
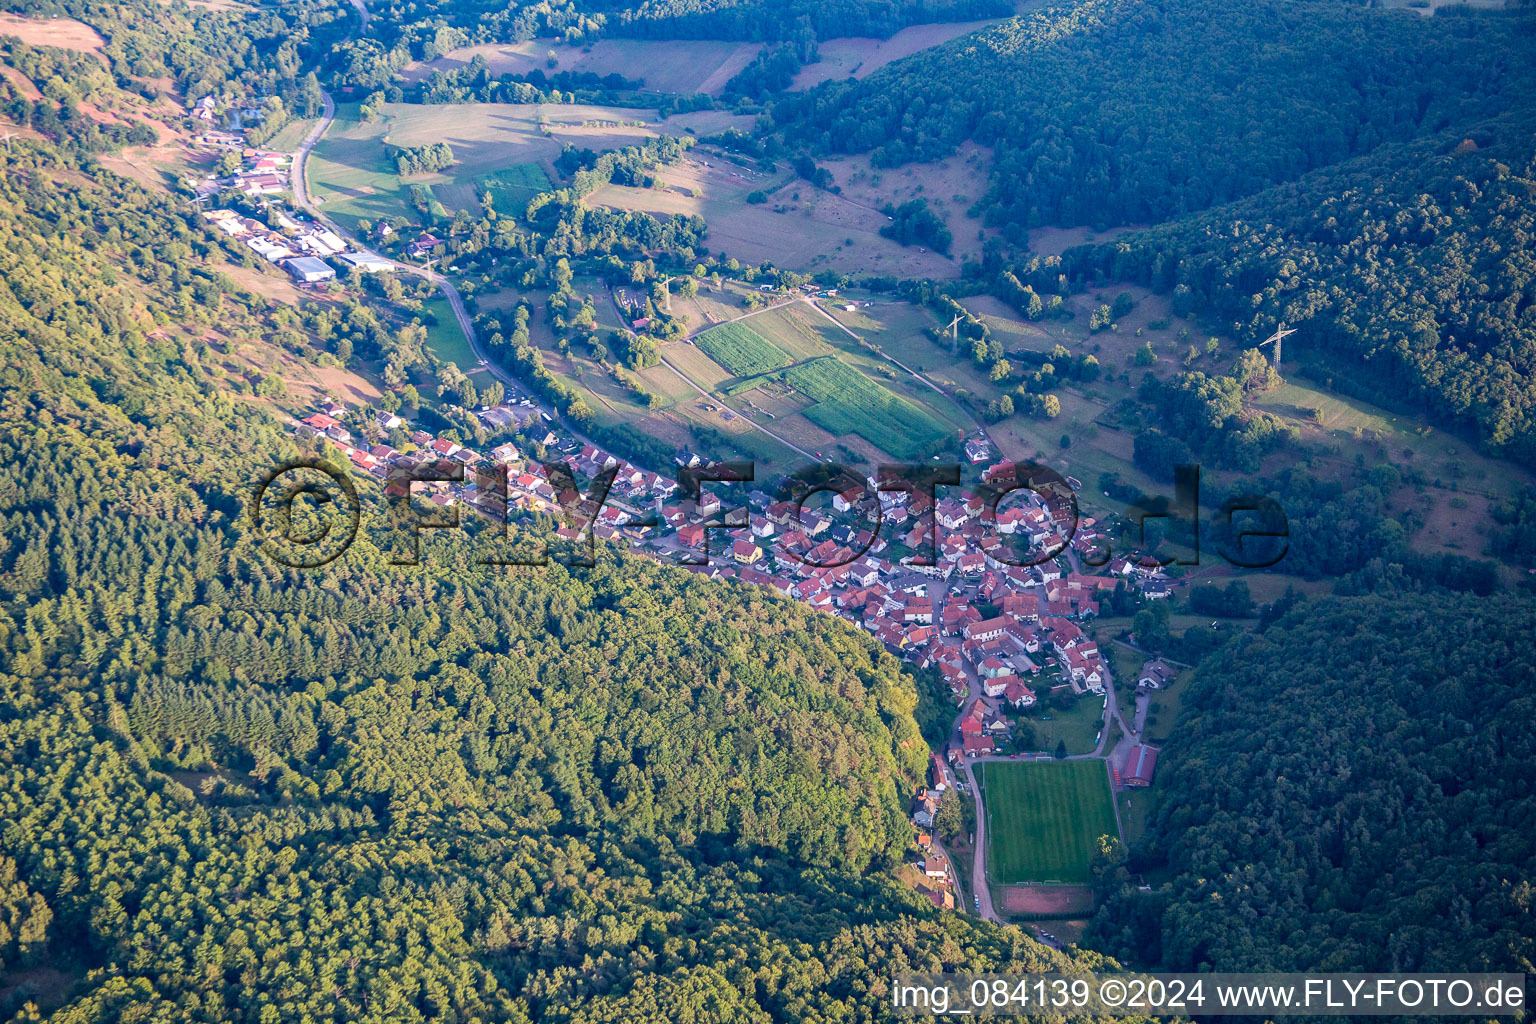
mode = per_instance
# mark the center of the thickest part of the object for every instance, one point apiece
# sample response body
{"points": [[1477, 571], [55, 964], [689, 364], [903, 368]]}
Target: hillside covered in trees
{"points": [[1409, 273], [1112, 112], [1367, 807], [1364, 175]]}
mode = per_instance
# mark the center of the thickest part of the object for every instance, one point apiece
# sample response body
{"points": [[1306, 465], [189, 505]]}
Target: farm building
{"points": [[308, 269], [366, 264]]}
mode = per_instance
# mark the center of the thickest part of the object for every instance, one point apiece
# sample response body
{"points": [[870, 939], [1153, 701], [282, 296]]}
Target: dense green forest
{"points": [[1367, 807], [1110, 112], [236, 791]]}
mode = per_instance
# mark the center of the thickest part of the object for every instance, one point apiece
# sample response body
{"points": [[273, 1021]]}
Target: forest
{"points": [[1367, 808], [1111, 112], [1361, 175]]}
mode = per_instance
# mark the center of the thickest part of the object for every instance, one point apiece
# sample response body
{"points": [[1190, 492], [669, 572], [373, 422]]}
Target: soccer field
{"points": [[1044, 819]]}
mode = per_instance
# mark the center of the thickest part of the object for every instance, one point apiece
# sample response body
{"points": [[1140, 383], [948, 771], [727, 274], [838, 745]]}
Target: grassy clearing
{"points": [[511, 188], [349, 172], [847, 402], [741, 350], [445, 339], [800, 226], [1137, 807], [291, 134], [65, 33], [858, 57], [1076, 727], [1044, 819], [1163, 714]]}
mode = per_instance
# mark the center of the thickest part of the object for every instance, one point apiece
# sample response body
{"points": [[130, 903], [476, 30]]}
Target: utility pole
{"points": [[1278, 338]]}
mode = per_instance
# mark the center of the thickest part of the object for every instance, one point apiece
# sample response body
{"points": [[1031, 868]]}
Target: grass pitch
{"points": [[1044, 819]]}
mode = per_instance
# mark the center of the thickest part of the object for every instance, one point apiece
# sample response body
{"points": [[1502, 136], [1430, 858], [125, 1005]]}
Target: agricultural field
{"points": [[799, 226], [741, 350], [681, 415], [835, 396], [847, 402], [1044, 819], [352, 173], [710, 305]]}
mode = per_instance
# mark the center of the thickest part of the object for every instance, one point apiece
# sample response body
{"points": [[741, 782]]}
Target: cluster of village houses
{"points": [[937, 873], [832, 558]]}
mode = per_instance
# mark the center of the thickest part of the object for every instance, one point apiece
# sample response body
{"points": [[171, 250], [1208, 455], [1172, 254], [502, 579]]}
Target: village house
{"points": [[979, 746], [1156, 674], [424, 244], [986, 629], [1018, 695], [846, 500], [997, 685], [950, 514]]}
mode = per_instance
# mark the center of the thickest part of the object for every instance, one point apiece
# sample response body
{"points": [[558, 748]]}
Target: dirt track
{"points": [[1047, 900]]}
